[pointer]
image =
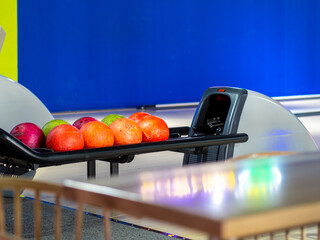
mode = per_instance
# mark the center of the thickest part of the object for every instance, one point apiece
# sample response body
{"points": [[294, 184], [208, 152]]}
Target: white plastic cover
{"points": [[18, 105], [271, 127]]}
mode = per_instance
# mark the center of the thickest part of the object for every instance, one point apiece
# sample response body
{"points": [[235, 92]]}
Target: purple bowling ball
{"points": [[81, 121]]}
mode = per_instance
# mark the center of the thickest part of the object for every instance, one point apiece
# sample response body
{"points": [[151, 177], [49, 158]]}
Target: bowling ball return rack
{"points": [[16, 158], [225, 116]]}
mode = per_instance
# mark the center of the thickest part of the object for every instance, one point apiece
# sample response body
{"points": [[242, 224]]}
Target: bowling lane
{"points": [[301, 104], [312, 124], [174, 116], [307, 110]]}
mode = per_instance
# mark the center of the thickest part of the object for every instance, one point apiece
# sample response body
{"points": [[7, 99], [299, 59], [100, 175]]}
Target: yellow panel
{"points": [[9, 52]]}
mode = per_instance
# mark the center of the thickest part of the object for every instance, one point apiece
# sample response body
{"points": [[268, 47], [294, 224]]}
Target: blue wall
{"points": [[81, 54]]}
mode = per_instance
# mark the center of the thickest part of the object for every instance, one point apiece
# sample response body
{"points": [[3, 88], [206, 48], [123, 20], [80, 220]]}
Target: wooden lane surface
{"points": [[227, 199]]}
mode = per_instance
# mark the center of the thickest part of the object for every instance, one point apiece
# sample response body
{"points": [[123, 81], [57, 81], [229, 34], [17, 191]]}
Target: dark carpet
{"points": [[92, 224]]}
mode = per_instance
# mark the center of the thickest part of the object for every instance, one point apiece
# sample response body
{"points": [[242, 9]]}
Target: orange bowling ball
{"points": [[154, 129], [126, 131], [138, 116], [97, 134]]}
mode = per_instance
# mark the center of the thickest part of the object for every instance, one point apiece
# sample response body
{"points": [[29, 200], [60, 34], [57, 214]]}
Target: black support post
{"points": [[114, 168], [91, 169]]}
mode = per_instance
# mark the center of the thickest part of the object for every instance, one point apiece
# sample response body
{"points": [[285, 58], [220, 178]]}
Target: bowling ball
{"points": [[65, 137], [51, 124], [126, 131], [138, 116], [110, 118], [81, 121], [154, 129], [97, 134], [30, 134]]}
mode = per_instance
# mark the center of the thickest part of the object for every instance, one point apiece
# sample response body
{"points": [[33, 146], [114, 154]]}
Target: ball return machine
{"points": [[228, 122]]}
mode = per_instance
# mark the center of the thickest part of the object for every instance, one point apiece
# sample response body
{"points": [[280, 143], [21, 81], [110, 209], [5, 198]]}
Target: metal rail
{"points": [[18, 153]]}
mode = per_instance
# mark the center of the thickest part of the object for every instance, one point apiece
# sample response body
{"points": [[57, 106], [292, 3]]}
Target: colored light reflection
{"points": [[181, 187], [187, 186], [254, 184], [258, 184]]}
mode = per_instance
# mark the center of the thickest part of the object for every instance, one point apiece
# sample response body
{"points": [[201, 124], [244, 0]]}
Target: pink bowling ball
{"points": [[30, 134]]}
